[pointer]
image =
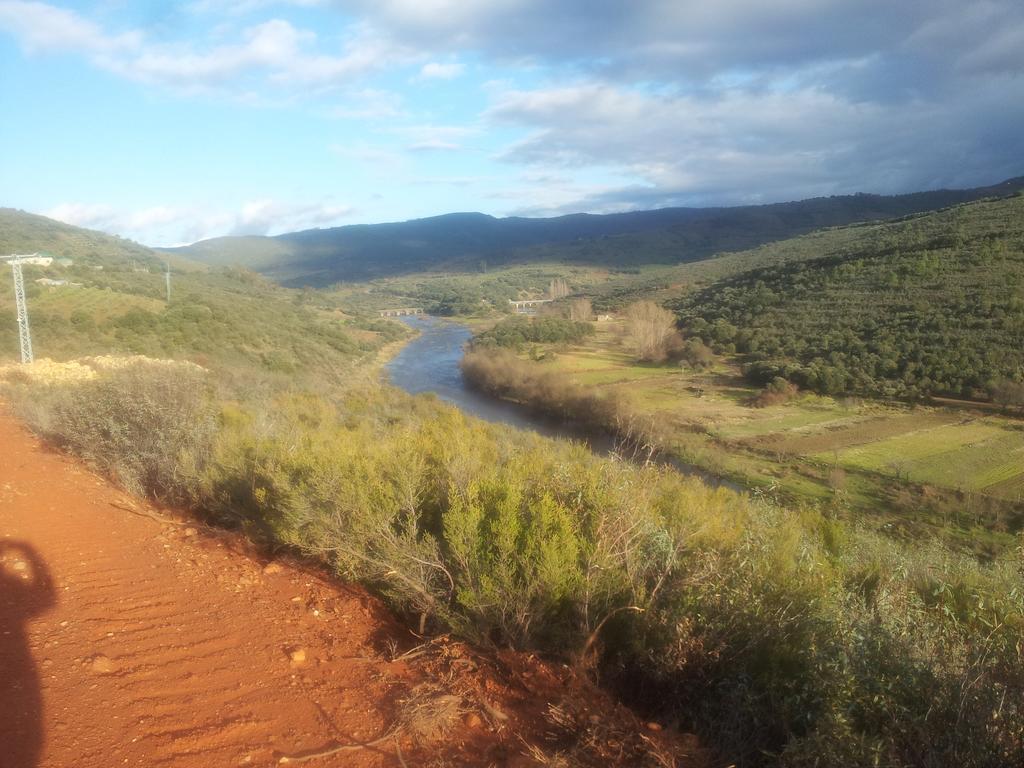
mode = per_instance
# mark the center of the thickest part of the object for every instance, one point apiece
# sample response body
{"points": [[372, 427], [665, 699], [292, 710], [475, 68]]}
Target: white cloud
{"points": [[41, 27], [434, 145], [89, 215], [746, 146], [262, 217], [429, 137], [374, 157], [242, 7], [434, 70], [168, 225], [368, 104], [274, 52]]}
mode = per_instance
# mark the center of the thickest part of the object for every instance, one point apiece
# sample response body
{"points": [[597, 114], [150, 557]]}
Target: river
{"points": [[430, 363]]}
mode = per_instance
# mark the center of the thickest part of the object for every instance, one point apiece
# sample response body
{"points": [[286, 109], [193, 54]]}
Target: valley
{"points": [[512, 384], [847, 395], [913, 470]]}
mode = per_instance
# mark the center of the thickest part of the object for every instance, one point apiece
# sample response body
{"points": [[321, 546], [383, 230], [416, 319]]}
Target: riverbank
{"points": [[912, 471], [431, 363]]}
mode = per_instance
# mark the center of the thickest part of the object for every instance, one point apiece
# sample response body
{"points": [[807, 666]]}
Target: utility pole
{"points": [[24, 336], [167, 275]]}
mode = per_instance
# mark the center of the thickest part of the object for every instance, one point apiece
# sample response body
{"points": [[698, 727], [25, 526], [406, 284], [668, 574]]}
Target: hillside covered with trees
{"points": [[933, 304], [321, 257]]}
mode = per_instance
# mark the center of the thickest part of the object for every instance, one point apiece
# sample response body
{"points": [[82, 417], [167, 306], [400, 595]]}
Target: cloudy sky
{"points": [[168, 122]]}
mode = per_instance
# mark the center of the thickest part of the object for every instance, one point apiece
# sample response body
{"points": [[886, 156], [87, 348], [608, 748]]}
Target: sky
{"points": [[171, 122]]}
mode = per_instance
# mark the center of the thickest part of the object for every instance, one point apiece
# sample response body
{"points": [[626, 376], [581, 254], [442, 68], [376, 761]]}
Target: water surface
{"points": [[430, 363]]}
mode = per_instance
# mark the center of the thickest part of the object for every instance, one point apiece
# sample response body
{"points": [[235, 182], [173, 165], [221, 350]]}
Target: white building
{"points": [[37, 261]]}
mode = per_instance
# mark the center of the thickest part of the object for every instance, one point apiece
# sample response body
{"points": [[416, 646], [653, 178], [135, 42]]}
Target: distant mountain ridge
{"points": [[320, 257]]}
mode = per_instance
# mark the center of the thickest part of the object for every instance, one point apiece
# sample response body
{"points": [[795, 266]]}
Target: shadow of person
{"points": [[25, 591]]}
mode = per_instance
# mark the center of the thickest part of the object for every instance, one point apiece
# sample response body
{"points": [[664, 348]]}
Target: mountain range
{"points": [[461, 241]]}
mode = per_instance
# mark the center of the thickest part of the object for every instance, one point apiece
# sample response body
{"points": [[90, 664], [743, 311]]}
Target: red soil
{"points": [[126, 640]]}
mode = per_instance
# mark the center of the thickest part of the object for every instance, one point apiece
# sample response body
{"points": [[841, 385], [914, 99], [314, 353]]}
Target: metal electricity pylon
{"points": [[167, 275], [24, 336]]}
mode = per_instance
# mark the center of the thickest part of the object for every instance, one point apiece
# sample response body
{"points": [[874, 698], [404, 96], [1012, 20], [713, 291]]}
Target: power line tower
{"points": [[24, 336], [167, 275]]}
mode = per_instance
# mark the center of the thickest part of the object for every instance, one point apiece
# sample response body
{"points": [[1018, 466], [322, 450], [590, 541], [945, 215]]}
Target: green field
{"points": [[884, 460]]}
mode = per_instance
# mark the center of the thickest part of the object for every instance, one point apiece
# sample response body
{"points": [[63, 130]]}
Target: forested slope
{"points": [[459, 241], [930, 305]]}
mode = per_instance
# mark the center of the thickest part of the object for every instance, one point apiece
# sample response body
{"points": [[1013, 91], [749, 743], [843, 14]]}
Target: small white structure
{"points": [[50, 282], [36, 261]]}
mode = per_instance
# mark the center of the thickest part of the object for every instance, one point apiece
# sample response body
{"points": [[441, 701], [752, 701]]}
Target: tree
{"points": [[650, 329], [1007, 392], [697, 355], [581, 309], [558, 289]]}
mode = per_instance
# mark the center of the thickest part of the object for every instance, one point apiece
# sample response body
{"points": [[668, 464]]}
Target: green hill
{"points": [[114, 302], [930, 305], [22, 232], [456, 241]]}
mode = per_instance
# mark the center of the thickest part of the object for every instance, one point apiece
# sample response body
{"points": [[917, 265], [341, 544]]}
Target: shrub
{"points": [[150, 427], [517, 332], [696, 355], [782, 637], [777, 392], [500, 373]]}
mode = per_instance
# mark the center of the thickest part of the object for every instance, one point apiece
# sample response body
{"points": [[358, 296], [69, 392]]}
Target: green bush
{"points": [[150, 427], [786, 651], [517, 332]]}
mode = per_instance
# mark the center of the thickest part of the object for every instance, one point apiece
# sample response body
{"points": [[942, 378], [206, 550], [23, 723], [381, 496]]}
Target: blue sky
{"points": [[170, 122]]}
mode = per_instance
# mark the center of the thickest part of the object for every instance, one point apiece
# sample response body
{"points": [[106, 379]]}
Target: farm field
{"points": [[858, 454]]}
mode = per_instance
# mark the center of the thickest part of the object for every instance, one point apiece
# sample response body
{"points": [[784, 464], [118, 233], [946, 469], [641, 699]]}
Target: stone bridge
{"points": [[528, 306], [401, 312]]}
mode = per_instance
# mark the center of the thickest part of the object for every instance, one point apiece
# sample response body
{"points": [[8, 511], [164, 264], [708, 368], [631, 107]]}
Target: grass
{"points": [[798, 418], [791, 451], [971, 456], [1012, 488], [100, 304]]}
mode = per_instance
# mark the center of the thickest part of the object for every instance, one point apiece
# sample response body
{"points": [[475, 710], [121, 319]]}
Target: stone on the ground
{"points": [[102, 664]]}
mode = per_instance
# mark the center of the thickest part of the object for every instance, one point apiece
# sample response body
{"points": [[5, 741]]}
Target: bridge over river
{"points": [[527, 306]]}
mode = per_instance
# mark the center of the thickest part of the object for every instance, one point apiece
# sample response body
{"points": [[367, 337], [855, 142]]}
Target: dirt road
{"points": [[129, 641]]}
